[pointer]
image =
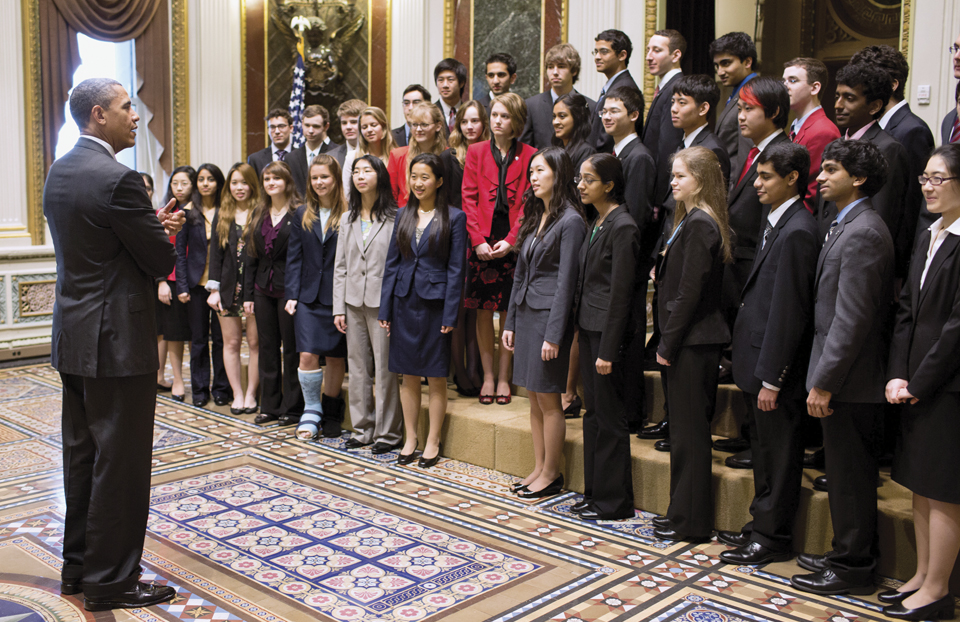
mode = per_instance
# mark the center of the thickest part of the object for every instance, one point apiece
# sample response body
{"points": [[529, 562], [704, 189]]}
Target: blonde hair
{"points": [[386, 144], [312, 211], [228, 205], [458, 142], [516, 108], [711, 196], [431, 111]]}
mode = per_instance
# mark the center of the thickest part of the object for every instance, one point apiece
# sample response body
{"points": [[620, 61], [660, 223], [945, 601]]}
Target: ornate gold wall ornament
{"points": [[649, 27], [33, 118], [181, 82], [33, 298]]}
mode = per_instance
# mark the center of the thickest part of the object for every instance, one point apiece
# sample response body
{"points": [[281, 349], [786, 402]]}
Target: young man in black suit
{"points": [[664, 51], [412, 95], [846, 376], [501, 73], [735, 61], [316, 123], [111, 248], [563, 71], [950, 127], [279, 127], [611, 55], [771, 348], [450, 76]]}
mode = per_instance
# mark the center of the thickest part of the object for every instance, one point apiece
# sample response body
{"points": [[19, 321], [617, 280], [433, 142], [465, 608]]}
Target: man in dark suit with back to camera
{"points": [[735, 61], [501, 73], [611, 55], [316, 123], [562, 62], [450, 76], [111, 248], [846, 376], [950, 127], [664, 51], [771, 349], [279, 128], [412, 95]]}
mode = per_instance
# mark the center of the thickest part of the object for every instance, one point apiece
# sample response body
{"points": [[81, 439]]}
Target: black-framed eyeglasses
{"points": [[936, 180]]}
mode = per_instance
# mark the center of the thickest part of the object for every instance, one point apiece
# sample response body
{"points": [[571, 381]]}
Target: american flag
{"points": [[296, 100]]}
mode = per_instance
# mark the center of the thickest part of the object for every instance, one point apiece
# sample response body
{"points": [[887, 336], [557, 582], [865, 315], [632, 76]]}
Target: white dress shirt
{"points": [[937, 235]]}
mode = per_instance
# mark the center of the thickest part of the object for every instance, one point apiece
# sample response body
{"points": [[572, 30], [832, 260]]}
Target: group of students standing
{"points": [[772, 254]]}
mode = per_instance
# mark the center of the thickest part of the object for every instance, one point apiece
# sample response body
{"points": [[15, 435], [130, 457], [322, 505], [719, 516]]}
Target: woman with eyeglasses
{"points": [[426, 125]]}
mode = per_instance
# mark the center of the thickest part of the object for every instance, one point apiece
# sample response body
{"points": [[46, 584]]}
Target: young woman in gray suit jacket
{"points": [[357, 277], [551, 234]]}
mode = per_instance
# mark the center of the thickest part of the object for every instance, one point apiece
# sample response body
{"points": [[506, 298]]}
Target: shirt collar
{"points": [[859, 133], [774, 217], [736, 91], [937, 227], [886, 116], [669, 76], [688, 140], [314, 152], [847, 209], [629, 138], [606, 87], [766, 141], [274, 149], [102, 143], [446, 110], [798, 123]]}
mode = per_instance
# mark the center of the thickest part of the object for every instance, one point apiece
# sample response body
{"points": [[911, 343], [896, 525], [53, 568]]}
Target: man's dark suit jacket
{"points": [[607, 292], [659, 135], [443, 126], [926, 336], [538, 132], [259, 159], [400, 135], [110, 250], [728, 132], [602, 140], [914, 134], [640, 175], [297, 161], [852, 287], [946, 128], [485, 100], [773, 331]]}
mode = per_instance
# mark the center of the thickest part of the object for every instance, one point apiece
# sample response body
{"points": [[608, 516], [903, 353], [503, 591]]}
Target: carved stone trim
{"points": [[565, 20], [905, 15], [243, 80], [449, 10], [181, 82], [33, 118], [33, 297]]}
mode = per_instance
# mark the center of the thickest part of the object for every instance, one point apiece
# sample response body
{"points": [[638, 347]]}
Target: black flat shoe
{"points": [[573, 410], [139, 596], [580, 506], [937, 610], [405, 459], [754, 554], [237, 411], [812, 562], [265, 418], [69, 588], [251, 410], [661, 522], [554, 488], [674, 536], [163, 388], [892, 597], [285, 420], [426, 463], [733, 538], [353, 443], [655, 431], [179, 398], [826, 583], [380, 448]]}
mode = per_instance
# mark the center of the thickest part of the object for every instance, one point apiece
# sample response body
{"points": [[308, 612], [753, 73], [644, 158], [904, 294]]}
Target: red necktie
{"points": [[746, 165], [656, 91], [452, 120], [955, 134]]}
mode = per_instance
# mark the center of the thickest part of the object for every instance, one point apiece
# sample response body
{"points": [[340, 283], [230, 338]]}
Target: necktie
{"points": [[833, 226], [955, 134], [746, 165], [281, 154], [452, 120], [766, 232], [603, 92], [793, 135], [656, 91]]}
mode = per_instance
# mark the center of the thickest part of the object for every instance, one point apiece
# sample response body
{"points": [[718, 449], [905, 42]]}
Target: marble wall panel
{"points": [[511, 26]]}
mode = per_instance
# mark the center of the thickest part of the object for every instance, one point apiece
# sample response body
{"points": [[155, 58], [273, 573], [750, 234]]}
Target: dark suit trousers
{"points": [[608, 478], [107, 450], [205, 326], [777, 442], [691, 383], [634, 398], [279, 383], [851, 437]]}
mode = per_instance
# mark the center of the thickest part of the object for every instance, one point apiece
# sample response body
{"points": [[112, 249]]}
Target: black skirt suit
{"points": [[227, 265], [924, 350], [419, 295], [604, 307], [692, 333], [309, 280]]}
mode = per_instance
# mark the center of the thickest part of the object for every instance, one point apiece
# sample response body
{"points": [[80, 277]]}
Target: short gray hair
{"points": [[89, 93]]}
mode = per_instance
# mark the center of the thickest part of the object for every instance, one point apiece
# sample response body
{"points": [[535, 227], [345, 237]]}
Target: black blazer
{"points": [[659, 135], [602, 140], [400, 135], [192, 247], [297, 161], [689, 278], [486, 101], [607, 288], [547, 272], [640, 177], [260, 267], [538, 131], [224, 266], [578, 153], [310, 259], [774, 327], [926, 336], [259, 159], [946, 127], [110, 250], [746, 211], [914, 134], [454, 177]]}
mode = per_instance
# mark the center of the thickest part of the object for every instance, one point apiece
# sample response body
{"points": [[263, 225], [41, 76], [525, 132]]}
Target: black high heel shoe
{"points": [[474, 392], [573, 410], [553, 488], [518, 487], [892, 597], [178, 398], [937, 610], [426, 463], [405, 459]]}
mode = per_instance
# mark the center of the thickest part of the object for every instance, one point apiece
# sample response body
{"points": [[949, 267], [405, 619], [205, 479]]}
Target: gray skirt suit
{"points": [[542, 300]]}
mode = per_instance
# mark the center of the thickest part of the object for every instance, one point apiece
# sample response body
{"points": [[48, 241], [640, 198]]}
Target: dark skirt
{"points": [[316, 332], [926, 460], [173, 320], [489, 283], [417, 347], [529, 370]]}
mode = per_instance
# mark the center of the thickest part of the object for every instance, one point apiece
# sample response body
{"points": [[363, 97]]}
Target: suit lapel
{"points": [[831, 240], [763, 252], [916, 271], [947, 248], [356, 232]]}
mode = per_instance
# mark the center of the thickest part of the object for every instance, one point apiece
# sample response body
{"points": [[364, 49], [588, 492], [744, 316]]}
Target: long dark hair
{"points": [[408, 217], [577, 105], [195, 216], [282, 170], [564, 194], [385, 206], [192, 174]]}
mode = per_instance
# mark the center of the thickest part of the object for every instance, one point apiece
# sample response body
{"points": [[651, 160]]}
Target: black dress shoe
{"points": [[826, 583], [591, 513], [139, 596], [674, 536], [812, 562], [264, 418], [426, 463], [731, 445], [657, 430], [742, 460], [553, 488], [754, 554], [937, 610], [580, 506], [405, 459], [200, 402], [662, 445], [380, 448], [69, 588], [661, 522], [814, 460], [820, 483], [733, 538], [573, 410], [353, 443], [221, 401], [892, 597]]}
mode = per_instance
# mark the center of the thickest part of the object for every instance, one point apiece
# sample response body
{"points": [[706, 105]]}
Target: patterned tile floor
{"points": [[249, 523]]}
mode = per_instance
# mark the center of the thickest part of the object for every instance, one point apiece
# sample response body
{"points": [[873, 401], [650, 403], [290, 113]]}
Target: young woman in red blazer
{"points": [[495, 176]]}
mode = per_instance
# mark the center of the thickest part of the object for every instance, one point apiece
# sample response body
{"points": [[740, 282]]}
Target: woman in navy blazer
{"points": [[925, 374], [193, 263], [539, 328], [309, 293], [420, 298]]}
